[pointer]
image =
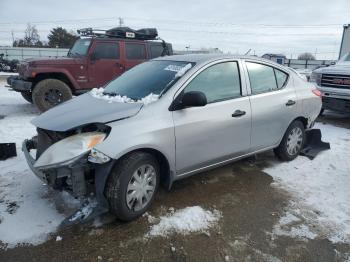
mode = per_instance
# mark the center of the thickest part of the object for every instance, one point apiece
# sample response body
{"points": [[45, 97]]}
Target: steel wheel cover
{"points": [[294, 141], [141, 187]]}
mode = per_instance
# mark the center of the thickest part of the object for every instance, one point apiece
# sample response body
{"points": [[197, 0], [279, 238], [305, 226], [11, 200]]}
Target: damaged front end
{"points": [[68, 161]]}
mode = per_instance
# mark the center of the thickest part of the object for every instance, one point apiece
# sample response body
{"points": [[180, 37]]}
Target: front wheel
{"points": [[292, 142], [132, 185], [49, 93]]}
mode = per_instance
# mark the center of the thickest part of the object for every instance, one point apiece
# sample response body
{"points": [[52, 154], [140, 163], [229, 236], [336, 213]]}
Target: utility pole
{"points": [[121, 22], [13, 37]]}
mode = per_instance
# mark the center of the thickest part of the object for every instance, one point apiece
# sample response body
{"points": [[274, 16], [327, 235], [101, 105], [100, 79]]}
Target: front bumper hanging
{"points": [[80, 189]]}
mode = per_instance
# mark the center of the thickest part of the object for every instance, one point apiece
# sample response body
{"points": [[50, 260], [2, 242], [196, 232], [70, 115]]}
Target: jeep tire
{"points": [[50, 92], [27, 95]]}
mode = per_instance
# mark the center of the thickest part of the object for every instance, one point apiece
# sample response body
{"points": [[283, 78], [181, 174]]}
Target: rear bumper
{"points": [[18, 84]]}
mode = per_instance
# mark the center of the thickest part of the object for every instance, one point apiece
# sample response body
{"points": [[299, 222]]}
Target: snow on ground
{"points": [[26, 214], [321, 190], [185, 221], [8, 74]]}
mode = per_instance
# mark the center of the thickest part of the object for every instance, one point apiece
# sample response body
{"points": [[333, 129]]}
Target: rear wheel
{"points": [[27, 96], [132, 185], [49, 93], [292, 142]]}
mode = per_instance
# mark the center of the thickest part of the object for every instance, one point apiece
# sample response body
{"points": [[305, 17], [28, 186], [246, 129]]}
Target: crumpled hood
{"points": [[335, 69], [82, 110]]}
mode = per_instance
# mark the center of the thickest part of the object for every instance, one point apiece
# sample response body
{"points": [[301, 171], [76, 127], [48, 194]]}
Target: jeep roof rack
{"points": [[121, 32]]}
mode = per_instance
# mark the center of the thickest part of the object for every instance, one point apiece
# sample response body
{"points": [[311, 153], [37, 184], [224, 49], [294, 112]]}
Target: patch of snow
{"points": [[320, 187], [149, 99], [8, 74], [295, 231], [27, 214], [183, 70], [58, 238], [185, 221], [98, 93]]}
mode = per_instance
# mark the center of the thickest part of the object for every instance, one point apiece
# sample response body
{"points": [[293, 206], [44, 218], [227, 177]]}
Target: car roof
{"points": [[198, 58], [206, 58]]}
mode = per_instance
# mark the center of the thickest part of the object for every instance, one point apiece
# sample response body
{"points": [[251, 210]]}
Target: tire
{"points": [[295, 135], [121, 184], [27, 96], [49, 93], [321, 112]]}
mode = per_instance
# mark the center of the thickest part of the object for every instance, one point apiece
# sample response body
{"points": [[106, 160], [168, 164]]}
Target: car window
{"points": [[281, 78], [262, 78], [156, 50], [135, 51], [104, 50], [218, 82]]}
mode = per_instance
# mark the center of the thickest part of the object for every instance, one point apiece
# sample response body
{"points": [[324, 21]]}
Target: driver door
{"points": [[105, 63], [213, 133]]}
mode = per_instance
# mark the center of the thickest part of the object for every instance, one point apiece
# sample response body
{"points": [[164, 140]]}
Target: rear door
{"points": [[134, 54], [213, 133], [104, 62], [273, 102]]}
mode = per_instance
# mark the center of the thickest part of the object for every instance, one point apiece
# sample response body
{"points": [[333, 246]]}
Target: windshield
{"points": [[79, 48], [344, 59], [152, 77]]}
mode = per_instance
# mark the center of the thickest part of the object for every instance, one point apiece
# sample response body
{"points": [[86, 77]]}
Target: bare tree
{"points": [[306, 56], [31, 38]]}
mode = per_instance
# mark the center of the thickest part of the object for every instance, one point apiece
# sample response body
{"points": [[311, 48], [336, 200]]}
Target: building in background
{"points": [[345, 42], [278, 58]]}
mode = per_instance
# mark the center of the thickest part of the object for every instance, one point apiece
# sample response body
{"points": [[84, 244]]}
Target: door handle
{"points": [[238, 113], [290, 103]]}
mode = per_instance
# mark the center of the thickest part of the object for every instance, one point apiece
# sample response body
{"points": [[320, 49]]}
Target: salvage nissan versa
{"points": [[166, 119]]}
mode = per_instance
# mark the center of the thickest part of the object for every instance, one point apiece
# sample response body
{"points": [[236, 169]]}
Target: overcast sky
{"points": [[273, 26]]}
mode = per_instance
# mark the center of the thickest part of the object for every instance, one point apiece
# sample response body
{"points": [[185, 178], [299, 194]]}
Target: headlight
{"points": [[69, 149]]}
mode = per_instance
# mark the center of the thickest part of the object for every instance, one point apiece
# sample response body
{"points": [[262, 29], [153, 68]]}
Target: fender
{"points": [[43, 71]]}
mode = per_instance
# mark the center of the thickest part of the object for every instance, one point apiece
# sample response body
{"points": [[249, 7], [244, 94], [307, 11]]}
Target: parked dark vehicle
{"points": [[94, 60], [8, 65], [334, 83]]}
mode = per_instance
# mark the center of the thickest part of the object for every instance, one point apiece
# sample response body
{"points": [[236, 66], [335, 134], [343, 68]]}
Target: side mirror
{"points": [[189, 99], [194, 99]]}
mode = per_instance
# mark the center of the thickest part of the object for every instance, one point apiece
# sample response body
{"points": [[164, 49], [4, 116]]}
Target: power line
{"points": [[176, 21]]}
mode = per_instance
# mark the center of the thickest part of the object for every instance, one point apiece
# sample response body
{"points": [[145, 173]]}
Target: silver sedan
{"points": [[169, 118]]}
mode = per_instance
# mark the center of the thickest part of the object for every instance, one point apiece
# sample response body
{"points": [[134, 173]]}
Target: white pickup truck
{"points": [[334, 83]]}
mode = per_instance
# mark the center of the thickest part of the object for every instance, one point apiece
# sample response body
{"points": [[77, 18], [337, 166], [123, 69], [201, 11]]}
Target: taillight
{"points": [[317, 92]]}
